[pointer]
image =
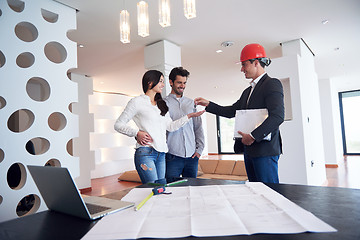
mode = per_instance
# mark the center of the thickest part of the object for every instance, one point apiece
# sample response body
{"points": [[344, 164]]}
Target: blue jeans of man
{"points": [[262, 169], [150, 164], [176, 166]]}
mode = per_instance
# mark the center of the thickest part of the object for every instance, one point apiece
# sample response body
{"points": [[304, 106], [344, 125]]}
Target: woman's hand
{"points": [[195, 114], [143, 138]]}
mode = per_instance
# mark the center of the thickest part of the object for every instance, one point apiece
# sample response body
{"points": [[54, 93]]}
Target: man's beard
{"points": [[178, 93]]}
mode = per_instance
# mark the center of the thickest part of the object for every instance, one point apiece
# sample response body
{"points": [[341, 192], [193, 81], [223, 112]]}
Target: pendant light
{"points": [[189, 9], [124, 26], [164, 13], [143, 18]]}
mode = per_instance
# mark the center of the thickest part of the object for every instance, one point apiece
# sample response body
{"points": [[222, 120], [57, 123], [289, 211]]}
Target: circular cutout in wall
{"points": [[1, 199], [68, 74], [16, 5], [30, 147], [20, 120], [2, 59], [53, 163], [69, 147], [2, 102], [28, 205], [49, 16], [41, 146], [16, 176], [70, 107], [38, 89], [57, 121], [2, 155], [55, 52], [25, 60], [26, 31]]}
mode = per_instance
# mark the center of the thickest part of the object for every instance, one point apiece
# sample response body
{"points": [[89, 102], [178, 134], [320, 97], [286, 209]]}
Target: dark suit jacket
{"points": [[268, 93]]}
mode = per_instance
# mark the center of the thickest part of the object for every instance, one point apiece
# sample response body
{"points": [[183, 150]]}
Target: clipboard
{"points": [[247, 120]]}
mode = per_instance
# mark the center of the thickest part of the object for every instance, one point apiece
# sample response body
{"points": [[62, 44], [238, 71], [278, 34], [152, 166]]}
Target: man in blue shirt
{"points": [[186, 144]]}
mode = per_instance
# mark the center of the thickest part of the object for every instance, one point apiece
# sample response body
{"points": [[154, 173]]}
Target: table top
{"points": [[339, 207]]}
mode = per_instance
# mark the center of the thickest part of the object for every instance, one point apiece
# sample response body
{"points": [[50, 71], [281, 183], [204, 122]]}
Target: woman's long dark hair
{"points": [[153, 76]]}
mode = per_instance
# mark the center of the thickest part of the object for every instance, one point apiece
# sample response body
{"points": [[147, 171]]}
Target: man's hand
{"points": [[196, 155], [195, 114], [247, 139], [201, 101], [143, 138]]}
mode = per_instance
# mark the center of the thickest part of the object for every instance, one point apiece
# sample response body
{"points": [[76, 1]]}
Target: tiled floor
{"points": [[346, 175]]}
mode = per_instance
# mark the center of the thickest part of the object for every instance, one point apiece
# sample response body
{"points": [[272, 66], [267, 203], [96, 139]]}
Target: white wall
{"points": [[330, 122], [330, 110], [34, 45], [114, 152]]}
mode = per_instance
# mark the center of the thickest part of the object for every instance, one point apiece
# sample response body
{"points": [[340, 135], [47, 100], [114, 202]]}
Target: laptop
{"points": [[60, 194]]}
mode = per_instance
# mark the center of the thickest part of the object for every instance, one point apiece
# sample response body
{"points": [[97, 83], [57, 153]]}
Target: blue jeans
{"points": [[150, 164], [176, 166], [262, 169]]}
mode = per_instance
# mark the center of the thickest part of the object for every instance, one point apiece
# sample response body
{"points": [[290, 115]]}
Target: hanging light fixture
{"points": [[164, 13], [189, 9], [124, 26], [143, 18]]}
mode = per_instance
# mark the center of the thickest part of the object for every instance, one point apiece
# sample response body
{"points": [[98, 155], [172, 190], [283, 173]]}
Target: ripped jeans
{"points": [[150, 164]]}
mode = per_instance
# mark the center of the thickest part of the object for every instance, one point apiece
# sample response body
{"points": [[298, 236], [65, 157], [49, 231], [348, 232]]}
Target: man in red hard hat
{"points": [[262, 147]]}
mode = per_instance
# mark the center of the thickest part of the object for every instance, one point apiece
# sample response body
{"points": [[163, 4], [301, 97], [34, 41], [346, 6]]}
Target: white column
{"points": [[303, 160], [163, 56], [82, 143]]}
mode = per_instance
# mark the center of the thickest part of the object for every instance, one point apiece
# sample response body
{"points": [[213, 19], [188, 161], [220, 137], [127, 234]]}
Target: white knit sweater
{"points": [[148, 119]]}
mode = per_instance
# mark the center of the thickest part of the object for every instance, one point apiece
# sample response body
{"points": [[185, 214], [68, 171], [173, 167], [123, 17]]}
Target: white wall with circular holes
{"points": [[37, 126]]}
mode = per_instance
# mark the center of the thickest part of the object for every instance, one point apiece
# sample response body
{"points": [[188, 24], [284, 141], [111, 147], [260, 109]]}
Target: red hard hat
{"points": [[252, 51]]}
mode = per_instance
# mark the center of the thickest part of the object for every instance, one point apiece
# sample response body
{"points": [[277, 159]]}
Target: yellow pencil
{"points": [[144, 201]]}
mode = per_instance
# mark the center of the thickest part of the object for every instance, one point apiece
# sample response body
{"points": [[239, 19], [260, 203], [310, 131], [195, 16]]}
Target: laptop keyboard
{"points": [[93, 209]]}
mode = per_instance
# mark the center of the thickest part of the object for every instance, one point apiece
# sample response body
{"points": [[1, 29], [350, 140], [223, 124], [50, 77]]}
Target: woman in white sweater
{"points": [[150, 114]]}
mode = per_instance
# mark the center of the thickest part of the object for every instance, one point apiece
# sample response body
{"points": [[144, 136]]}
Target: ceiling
{"points": [[118, 67]]}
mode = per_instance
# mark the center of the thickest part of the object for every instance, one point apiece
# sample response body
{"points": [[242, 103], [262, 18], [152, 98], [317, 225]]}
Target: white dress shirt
{"points": [[148, 119], [253, 85]]}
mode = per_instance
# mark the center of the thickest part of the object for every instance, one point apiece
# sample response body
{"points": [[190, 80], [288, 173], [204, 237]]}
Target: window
{"points": [[225, 134], [350, 116]]}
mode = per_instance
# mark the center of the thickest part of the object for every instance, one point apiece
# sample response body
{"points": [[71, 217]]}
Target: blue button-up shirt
{"points": [[190, 138]]}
